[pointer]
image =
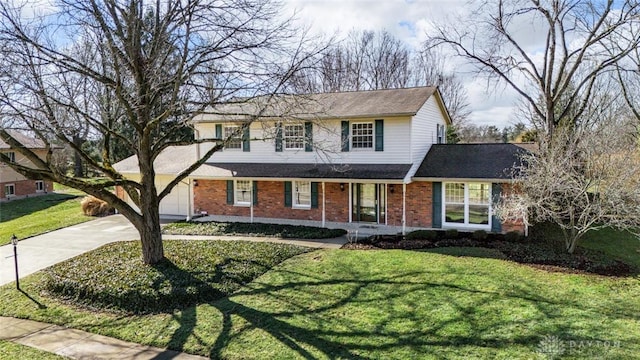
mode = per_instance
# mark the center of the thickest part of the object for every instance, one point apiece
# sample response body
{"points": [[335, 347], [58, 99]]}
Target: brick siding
{"points": [[25, 188]]}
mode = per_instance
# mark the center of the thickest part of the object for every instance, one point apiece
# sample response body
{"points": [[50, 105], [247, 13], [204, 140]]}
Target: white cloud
{"points": [[411, 21]]}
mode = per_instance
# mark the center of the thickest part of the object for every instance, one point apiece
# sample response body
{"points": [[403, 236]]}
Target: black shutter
{"points": [[308, 136], [379, 131], [314, 195], [230, 192], [496, 192], [279, 137], [218, 131], [255, 192], [437, 205], [345, 136], [246, 144], [287, 193]]}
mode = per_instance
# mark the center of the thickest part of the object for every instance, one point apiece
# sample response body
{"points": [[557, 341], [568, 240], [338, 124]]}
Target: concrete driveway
{"points": [[44, 250]]}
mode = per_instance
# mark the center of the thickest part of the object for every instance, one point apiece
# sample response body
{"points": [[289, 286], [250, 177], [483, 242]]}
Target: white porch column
{"points": [[404, 208], [323, 206], [190, 199], [251, 202]]}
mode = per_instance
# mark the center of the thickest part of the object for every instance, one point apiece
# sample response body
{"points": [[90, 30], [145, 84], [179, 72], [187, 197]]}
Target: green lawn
{"points": [[619, 244], [13, 351], [36, 215], [386, 304]]}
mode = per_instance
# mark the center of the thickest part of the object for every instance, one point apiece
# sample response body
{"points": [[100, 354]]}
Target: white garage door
{"points": [[177, 202]]}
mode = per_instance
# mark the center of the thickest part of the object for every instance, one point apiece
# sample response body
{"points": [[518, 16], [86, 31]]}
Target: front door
{"points": [[368, 203]]}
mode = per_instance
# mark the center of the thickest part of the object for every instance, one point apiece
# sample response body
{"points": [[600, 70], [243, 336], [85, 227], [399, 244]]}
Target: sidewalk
{"points": [[77, 344]]}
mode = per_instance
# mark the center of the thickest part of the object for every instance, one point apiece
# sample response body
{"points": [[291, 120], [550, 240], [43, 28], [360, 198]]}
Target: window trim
{"points": [[236, 138], [236, 188], [466, 203], [295, 192], [11, 155], [13, 192], [352, 124], [302, 137], [41, 183]]}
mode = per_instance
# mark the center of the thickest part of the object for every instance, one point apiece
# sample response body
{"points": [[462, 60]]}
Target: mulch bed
{"points": [[539, 255]]}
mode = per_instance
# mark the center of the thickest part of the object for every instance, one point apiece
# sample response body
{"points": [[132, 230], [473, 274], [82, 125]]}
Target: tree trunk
{"points": [[78, 170], [150, 232]]}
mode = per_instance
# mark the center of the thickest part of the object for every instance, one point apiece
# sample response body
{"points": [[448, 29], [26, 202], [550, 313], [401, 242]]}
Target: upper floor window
{"points": [[362, 135], [302, 194], [467, 203], [293, 136], [11, 155], [440, 132], [232, 132]]}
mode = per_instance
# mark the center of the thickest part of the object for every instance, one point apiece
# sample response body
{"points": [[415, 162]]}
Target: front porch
{"points": [[356, 229]]}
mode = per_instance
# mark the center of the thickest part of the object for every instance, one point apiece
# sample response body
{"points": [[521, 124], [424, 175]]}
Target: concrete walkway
{"points": [[77, 344]]}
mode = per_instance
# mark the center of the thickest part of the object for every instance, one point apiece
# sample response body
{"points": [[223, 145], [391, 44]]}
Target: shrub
{"points": [[451, 234], [92, 206], [422, 235], [512, 236], [480, 235], [255, 229]]}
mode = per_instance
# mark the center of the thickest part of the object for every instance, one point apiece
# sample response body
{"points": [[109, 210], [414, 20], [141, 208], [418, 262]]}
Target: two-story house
{"points": [[13, 184], [365, 157]]}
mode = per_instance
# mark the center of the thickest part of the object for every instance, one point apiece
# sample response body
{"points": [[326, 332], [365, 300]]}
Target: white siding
{"points": [[327, 145], [424, 129]]}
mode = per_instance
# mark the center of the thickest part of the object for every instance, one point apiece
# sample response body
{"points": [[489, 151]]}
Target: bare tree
{"points": [[573, 34], [582, 180], [429, 69], [150, 66]]}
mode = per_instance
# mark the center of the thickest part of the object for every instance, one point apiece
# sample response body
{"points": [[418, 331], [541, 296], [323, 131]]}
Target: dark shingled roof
{"points": [[471, 161], [304, 171]]}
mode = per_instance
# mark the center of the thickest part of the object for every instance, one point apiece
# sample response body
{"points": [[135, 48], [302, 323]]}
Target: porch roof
{"points": [[304, 171], [472, 161]]}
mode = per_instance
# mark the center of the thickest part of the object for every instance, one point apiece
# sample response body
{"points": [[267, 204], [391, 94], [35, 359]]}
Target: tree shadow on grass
{"points": [[313, 341]]}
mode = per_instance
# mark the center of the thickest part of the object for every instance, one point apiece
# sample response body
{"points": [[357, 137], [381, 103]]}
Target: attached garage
{"points": [[177, 202], [168, 164]]}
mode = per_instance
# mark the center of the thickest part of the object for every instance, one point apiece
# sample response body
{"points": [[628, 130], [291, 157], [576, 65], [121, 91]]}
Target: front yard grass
{"points": [[13, 351], [39, 214], [391, 304], [621, 245]]}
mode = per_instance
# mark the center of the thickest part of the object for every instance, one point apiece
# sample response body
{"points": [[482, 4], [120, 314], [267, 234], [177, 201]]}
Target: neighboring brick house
{"points": [[352, 157], [13, 184]]}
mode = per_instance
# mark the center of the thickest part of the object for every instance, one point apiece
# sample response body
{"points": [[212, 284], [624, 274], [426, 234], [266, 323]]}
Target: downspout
{"points": [[323, 205]]}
